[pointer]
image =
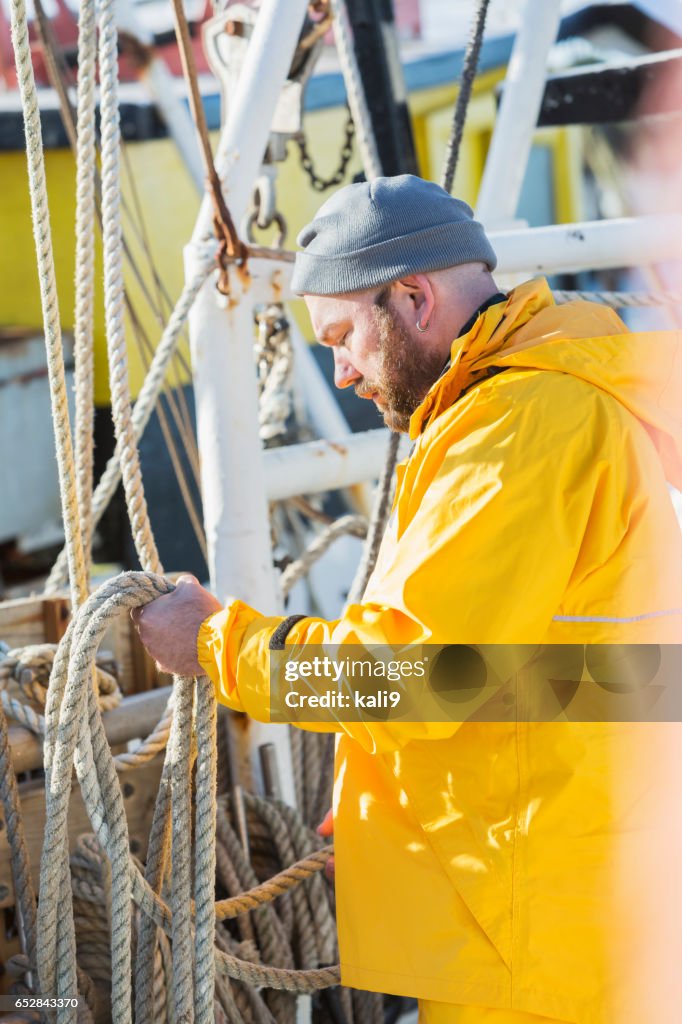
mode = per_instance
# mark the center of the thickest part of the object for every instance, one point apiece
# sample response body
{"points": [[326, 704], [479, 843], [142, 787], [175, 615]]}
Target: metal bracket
{"points": [[225, 40]]}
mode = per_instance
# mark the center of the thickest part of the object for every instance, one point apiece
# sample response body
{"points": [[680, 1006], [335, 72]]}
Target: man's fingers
{"points": [[169, 626], [186, 578]]}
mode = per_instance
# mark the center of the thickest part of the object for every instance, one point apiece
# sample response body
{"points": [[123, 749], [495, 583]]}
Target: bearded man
{"points": [[495, 870]]}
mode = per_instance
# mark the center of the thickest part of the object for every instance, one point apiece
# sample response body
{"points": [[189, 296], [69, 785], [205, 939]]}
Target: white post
{"points": [[233, 486], [232, 473], [518, 114], [232, 478], [564, 248], [312, 467]]}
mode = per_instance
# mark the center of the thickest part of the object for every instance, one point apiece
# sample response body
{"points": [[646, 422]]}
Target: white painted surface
{"points": [[317, 466], [517, 117], [593, 245], [232, 482]]}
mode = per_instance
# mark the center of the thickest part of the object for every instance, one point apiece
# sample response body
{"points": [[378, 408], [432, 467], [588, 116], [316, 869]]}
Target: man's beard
{"points": [[406, 371]]}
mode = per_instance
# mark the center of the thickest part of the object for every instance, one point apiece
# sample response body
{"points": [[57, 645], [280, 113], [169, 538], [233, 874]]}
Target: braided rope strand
{"points": [[205, 851], [114, 295], [86, 155], [466, 85], [48, 294]]}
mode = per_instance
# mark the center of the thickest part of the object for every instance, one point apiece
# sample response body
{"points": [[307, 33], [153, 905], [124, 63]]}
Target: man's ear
{"points": [[414, 295]]}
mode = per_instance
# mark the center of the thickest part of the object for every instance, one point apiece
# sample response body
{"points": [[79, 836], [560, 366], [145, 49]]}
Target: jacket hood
{"points": [[643, 371]]}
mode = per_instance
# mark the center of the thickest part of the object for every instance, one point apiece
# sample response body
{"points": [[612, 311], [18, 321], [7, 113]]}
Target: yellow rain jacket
{"points": [[498, 864]]}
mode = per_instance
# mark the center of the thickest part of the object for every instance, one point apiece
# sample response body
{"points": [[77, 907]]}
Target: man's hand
{"points": [[326, 829], [169, 626]]}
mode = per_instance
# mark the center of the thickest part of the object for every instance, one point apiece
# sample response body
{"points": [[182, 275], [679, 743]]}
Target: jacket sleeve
{"points": [[485, 558]]}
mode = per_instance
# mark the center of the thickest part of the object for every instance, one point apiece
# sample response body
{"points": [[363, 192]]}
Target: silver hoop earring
{"points": [[422, 330]]}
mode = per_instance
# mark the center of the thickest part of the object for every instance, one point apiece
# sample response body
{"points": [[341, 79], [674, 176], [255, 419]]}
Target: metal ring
{"points": [[264, 201], [277, 218]]}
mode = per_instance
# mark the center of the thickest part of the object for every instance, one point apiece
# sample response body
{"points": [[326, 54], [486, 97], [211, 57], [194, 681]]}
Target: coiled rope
{"points": [[26, 673], [75, 735]]}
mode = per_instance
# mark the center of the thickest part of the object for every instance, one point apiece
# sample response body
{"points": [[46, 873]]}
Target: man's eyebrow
{"points": [[330, 329]]}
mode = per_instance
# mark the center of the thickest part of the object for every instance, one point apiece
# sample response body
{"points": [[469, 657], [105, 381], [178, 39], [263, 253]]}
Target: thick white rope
{"points": [[353, 525], [57, 968], [48, 294], [55, 364], [86, 157], [179, 746], [114, 295], [205, 847], [75, 734], [56, 954]]}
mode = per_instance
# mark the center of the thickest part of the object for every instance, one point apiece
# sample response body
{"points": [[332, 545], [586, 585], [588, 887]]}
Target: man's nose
{"points": [[345, 373]]}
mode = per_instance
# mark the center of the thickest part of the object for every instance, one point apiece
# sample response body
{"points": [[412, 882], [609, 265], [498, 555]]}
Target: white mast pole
{"points": [[233, 483], [517, 117]]}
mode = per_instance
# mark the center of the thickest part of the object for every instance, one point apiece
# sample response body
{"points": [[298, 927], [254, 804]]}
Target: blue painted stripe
{"points": [[615, 618], [328, 90]]}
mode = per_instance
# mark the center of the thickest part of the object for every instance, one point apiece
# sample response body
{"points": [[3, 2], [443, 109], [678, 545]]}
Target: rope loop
{"points": [[26, 672]]}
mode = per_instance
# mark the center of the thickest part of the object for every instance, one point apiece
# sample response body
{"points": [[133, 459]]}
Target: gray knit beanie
{"points": [[369, 234]]}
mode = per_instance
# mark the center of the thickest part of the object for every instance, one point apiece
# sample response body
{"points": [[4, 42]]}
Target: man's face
{"points": [[375, 352]]}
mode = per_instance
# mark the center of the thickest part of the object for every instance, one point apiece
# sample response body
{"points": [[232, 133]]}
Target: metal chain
{"points": [[274, 367], [263, 213], [322, 184]]}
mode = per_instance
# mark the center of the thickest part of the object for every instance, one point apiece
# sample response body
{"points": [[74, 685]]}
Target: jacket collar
{"points": [[493, 326]]}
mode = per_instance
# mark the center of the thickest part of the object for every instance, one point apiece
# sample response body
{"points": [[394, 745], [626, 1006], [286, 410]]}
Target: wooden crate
{"points": [[139, 787], [39, 620]]}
